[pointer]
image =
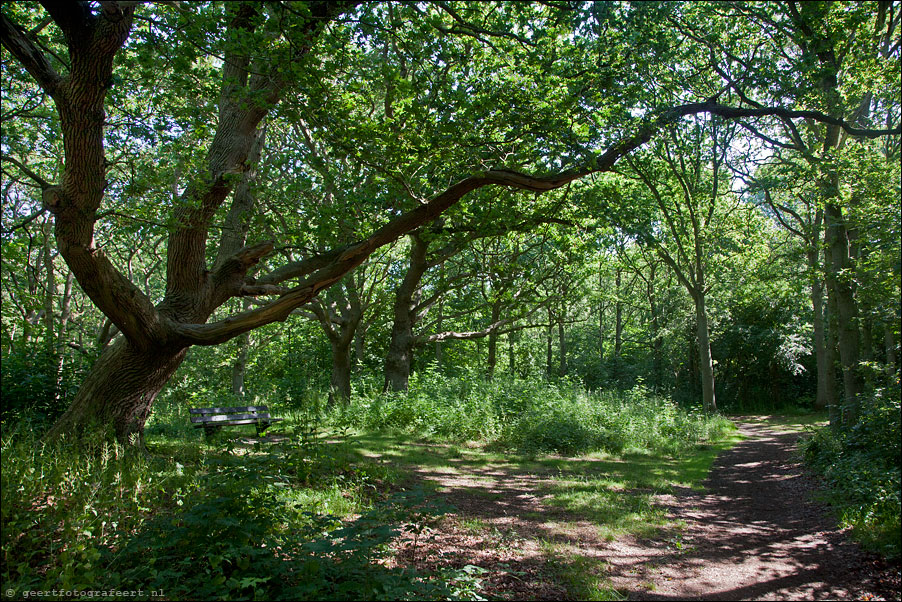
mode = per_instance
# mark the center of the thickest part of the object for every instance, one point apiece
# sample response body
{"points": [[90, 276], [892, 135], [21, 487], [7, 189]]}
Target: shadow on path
{"points": [[753, 534]]}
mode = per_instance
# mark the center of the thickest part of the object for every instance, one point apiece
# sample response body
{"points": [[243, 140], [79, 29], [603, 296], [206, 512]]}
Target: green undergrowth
{"points": [[861, 468], [202, 521], [534, 416], [317, 512]]}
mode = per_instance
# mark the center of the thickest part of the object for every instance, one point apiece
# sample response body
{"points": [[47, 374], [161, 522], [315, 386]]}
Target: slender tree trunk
{"points": [[867, 348], [601, 332], [562, 346], [618, 319], [357, 361], [510, 352], [104, 336], [549, 335], [239, 368], [826, 393], [834, 406], [601, 308], [826, 390], [889, 343], [438, 344], [493, 342], [706, 364], [692, 361], [656, 340]]}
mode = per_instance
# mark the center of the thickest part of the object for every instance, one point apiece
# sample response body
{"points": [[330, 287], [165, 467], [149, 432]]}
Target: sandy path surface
{"points": [[754, 533]]}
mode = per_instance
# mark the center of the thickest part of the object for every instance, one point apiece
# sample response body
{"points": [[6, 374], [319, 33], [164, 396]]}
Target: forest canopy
{"points": [[531, 255], [686, 193]]}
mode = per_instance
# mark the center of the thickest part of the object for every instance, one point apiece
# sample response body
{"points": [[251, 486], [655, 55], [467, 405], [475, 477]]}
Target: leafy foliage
{"points": [[861, 465], [534, 416]]}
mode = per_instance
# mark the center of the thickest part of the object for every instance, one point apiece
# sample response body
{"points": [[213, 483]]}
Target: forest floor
{"points": [[540, 530]]}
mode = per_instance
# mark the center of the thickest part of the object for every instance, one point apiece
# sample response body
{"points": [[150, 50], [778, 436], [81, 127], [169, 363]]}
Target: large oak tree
{"points": [[552, 104]]}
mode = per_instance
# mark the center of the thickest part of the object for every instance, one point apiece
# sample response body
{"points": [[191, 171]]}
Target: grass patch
{"points": [[314, 515], [616, 493], [584, 577], [792, 421]]}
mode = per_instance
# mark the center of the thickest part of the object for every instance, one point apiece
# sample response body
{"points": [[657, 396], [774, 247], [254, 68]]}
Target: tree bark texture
{"points": [[706, 363], [400, 349], [131, 371], [340, 382], [119, 391]]}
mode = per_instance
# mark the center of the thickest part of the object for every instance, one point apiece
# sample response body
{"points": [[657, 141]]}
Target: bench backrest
{"points": [[239, 413]]}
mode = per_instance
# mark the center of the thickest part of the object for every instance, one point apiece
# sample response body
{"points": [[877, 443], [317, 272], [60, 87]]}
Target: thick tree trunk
{"points": [[400, 349], [841, 288], [340, 389], [400, 353], [706, 364], [119, 391]]}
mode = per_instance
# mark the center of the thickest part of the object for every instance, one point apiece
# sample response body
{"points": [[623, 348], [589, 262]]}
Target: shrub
{"points": [[861, 466]]}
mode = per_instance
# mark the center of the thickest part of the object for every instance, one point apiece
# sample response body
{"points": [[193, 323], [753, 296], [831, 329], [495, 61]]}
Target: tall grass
{"points": [[292, 522], [533, 416]]}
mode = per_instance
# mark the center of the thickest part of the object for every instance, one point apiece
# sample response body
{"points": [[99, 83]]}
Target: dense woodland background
{"points": [[691, 202]]}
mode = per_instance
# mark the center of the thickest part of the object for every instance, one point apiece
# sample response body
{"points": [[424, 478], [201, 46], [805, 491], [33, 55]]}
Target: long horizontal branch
{"points": [[783, 113], [458, 336], [352, 256]]}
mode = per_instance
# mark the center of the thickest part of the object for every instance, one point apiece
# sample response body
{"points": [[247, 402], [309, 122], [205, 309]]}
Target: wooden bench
{"points": [[213, 419]]}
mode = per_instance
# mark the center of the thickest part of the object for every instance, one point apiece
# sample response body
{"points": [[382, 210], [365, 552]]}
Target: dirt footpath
{"points": [[753, 534]]}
